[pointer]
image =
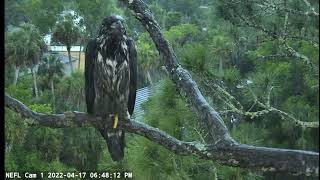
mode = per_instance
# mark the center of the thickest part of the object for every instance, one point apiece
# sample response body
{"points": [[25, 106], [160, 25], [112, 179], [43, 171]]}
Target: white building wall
{"points": [[64, 48]]}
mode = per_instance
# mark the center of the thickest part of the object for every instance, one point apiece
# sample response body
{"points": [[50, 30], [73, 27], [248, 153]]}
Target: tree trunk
{"points": [[52, 88], [79, 57], [149, 78], [164, 18], [53, 96], [16, 75], [221, 67], [34, 82], [70, 62]]}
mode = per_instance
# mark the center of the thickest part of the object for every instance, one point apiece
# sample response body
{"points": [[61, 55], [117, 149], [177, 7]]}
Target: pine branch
{"points": [[311, 13], [235, 106]]}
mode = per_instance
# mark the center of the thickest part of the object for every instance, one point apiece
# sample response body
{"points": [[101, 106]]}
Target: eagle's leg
{"points": [[115, 122]]}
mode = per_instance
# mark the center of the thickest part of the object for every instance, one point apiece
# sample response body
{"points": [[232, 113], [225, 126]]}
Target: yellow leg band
{"points": [[115, 123]]}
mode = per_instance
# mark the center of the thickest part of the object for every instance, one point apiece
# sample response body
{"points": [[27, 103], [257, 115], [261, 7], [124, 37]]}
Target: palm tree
{"points": [[24, 47], [67, 33], [221, 47], [51, 69], [36, 46], [15, 50]]}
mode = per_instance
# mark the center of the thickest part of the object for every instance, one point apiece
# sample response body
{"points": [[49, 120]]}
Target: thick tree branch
{"points": [[237, 155], [68, 119]]}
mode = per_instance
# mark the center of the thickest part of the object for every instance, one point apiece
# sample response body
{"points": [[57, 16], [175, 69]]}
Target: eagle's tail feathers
{"points": [[115, 143]]}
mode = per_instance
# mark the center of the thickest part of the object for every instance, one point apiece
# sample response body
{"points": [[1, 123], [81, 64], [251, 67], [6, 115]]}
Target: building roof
{"points": [[143, 95]]}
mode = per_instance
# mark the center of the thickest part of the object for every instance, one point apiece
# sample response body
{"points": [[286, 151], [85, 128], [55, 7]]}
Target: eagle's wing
{"points": [[90, 57], [133, 75]]}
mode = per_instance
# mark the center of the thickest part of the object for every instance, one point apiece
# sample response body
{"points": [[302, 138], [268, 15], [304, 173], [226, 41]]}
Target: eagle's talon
{"points": [[115, 123]]}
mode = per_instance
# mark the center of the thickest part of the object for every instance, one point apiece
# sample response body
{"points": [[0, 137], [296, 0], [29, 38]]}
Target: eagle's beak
{"points": [[119, 26]]}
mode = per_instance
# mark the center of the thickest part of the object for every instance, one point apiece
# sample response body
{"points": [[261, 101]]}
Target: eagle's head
{"points": [[113, 25]]}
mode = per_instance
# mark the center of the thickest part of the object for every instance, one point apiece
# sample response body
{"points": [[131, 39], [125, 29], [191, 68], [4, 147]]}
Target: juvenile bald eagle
{"points": [[110, 81]]}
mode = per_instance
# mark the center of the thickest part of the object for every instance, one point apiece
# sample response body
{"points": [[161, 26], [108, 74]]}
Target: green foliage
{"points": [[41, 13], [310, 50], [12, 16], [66, 31], [166, 111], [15, 131], [300, 108], [188, 8], [82, 148], [24, 45], [270, 74], [264, 49], [237, 173], [173, 18], [246, 133], [51, 68], [45, 140], [42, 108], [70, 93], [194, 57], [221, 45], [21, 160], [148, 60], [50, 72], [148, 57], [22, 92], [178, 35]]}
